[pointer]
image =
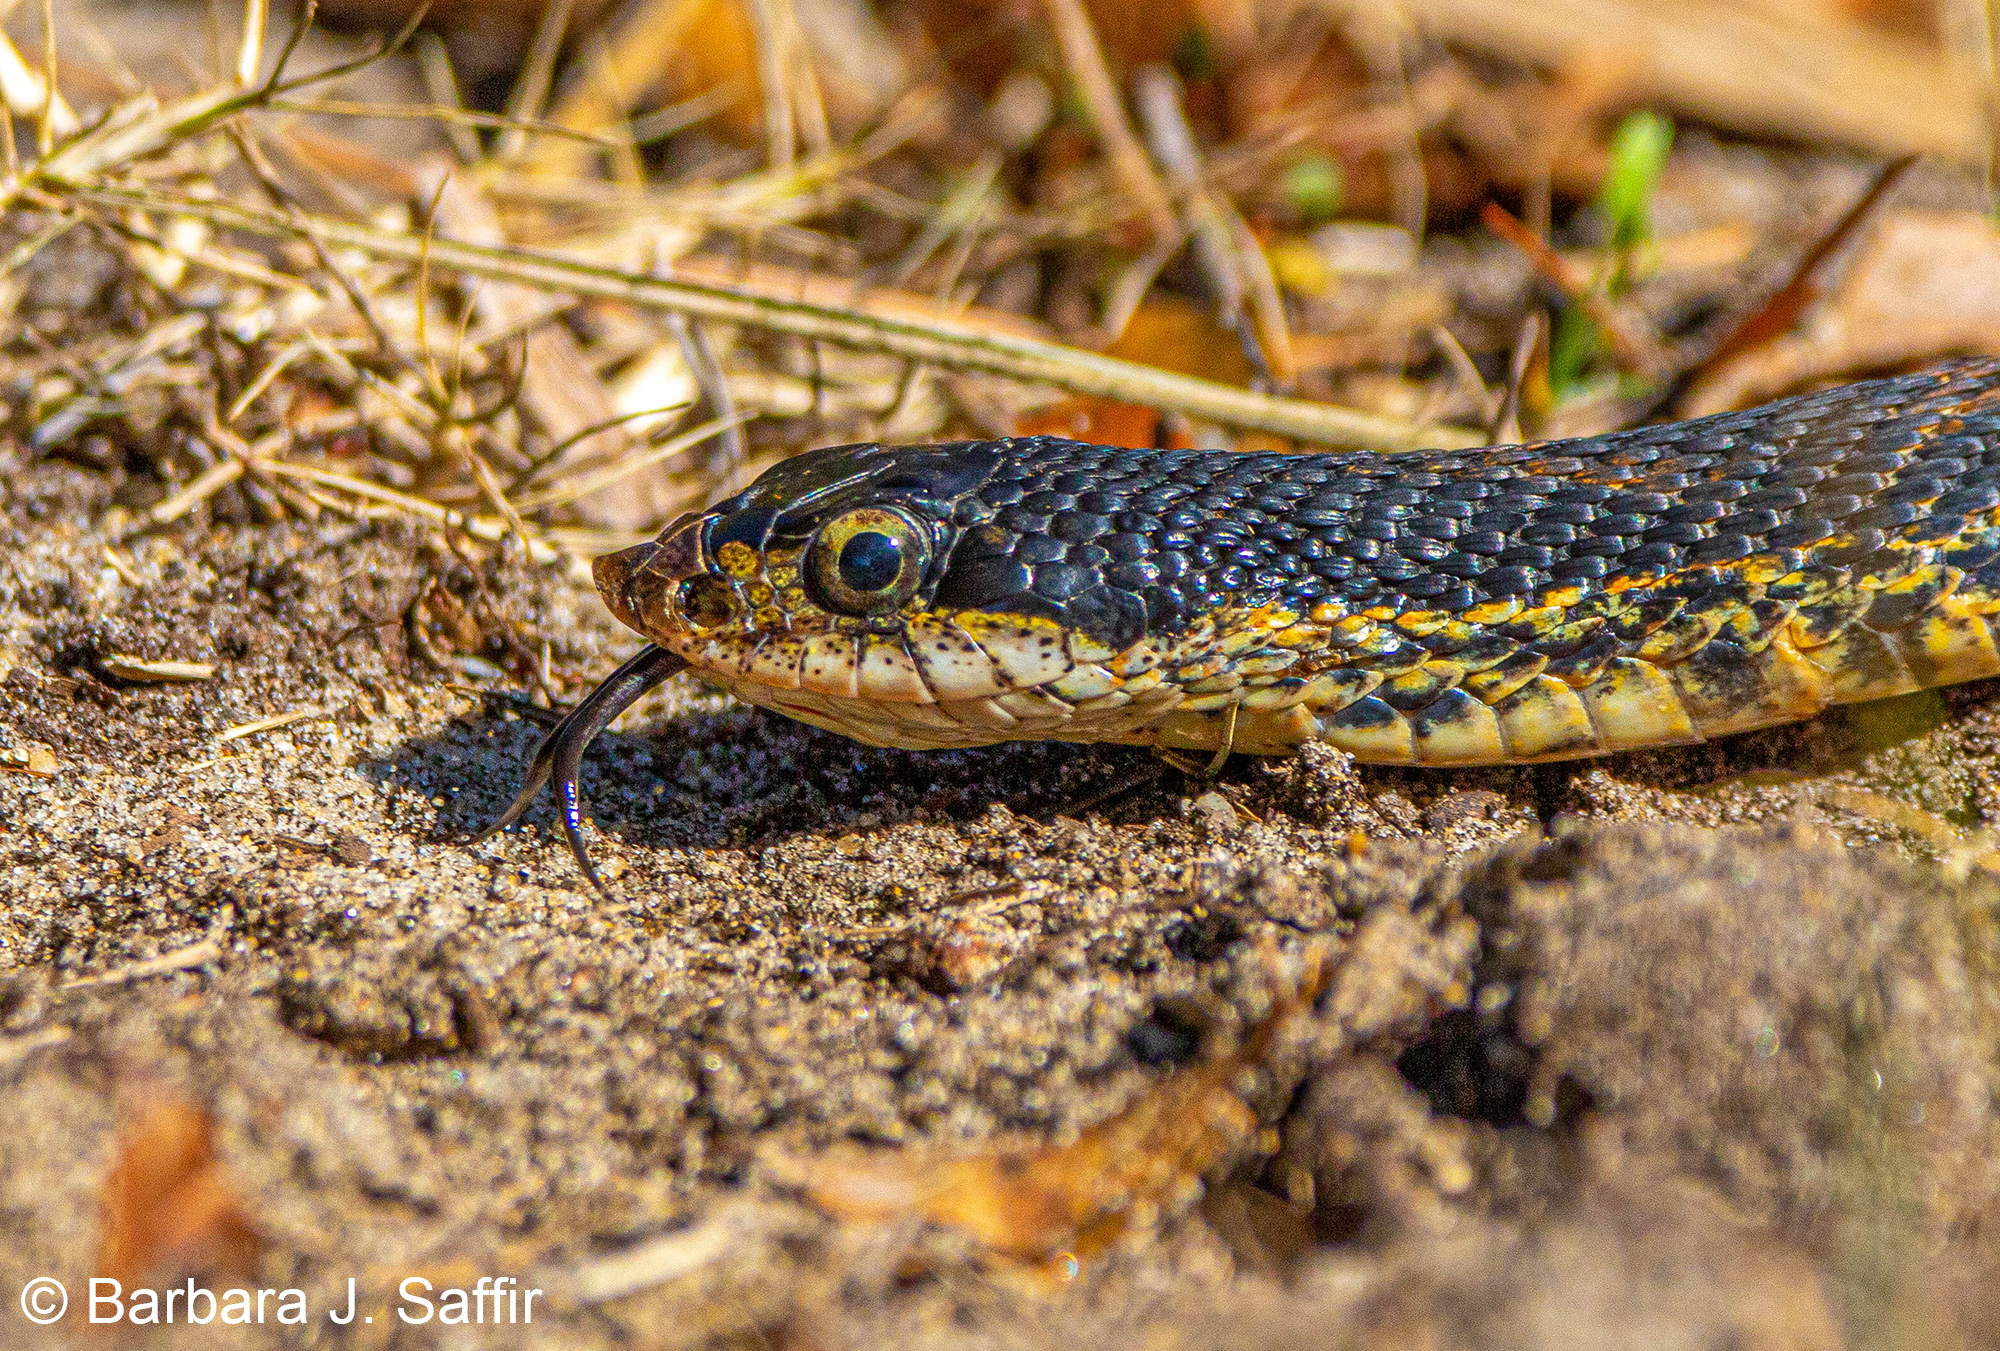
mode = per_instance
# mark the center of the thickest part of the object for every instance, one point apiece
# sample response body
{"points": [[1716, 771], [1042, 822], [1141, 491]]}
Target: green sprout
{"points": [[1577, 350], [1638, 155], [1315, 188]]}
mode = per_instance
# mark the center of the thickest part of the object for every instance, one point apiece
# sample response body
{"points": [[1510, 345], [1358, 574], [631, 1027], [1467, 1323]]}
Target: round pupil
{"points": [[871, 561]]}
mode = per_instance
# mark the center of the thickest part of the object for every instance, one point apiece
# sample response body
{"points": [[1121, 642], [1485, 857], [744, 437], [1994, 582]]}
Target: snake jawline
{"points": [[1627, 703]]}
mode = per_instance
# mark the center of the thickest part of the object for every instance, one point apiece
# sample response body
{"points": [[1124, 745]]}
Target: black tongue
{"points": [[560, 755]]}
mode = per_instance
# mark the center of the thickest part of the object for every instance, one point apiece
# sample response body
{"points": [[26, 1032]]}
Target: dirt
{"points": [[1679, 1049]]}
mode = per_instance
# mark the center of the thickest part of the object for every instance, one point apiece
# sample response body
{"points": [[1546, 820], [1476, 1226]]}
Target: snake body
{"points": [[1523, 603]]}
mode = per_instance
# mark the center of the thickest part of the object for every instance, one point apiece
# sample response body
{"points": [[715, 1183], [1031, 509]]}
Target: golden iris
{"points": [[868, 561]]}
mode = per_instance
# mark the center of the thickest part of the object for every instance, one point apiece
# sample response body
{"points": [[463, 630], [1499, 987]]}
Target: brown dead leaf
{"points": [[1923, 284], [168, 1205], [1177, 335], [1103, 422], [1751, 68], [1033, 1203]]}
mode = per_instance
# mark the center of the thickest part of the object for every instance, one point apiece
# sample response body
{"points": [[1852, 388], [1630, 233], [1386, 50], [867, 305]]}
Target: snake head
{"points": [[851, 586]]}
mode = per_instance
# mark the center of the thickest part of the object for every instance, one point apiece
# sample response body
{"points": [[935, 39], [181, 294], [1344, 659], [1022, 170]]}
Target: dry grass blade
{"points": [[445, 113], [270, 724], [45, 116], [441, 82], [557, 494], [142, 127], [1085, 58], [630, 64], [531, 88], [934, 343], [490, 530], [250, 55], [140, 671], [179, 504], [26, 93], [180, 959]]}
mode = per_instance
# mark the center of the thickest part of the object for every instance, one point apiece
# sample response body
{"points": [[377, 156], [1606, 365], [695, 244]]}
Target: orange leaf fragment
{"points": [[1035, 1203], [1177, 335], [168, 1206], [1103, 422]]}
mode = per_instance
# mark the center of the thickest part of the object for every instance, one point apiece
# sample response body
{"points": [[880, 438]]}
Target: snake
{"points": [[1516, 604]]}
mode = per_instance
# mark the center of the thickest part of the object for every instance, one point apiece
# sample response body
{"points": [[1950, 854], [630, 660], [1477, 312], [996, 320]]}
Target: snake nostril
{"points": [[706, 601]]}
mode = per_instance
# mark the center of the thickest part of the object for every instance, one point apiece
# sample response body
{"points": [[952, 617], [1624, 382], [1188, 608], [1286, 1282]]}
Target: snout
{"points": [[613, 574], [636, 582]]}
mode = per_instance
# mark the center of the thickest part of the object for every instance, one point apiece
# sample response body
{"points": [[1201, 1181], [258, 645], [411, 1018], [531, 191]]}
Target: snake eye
{"points": [[868, 561]]}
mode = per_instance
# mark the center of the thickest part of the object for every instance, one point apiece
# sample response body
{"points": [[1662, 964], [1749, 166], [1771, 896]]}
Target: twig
{"points": [[937, 341], [1782, 310], [1230, 257], [1085, 59], [1636, 349], [488, 529], [530, 93], [270, 724], [180, 959], [1376, 34]]}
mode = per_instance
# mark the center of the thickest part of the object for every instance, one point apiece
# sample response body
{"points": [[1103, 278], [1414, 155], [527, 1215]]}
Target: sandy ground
{"points": [[1671, 1050]]}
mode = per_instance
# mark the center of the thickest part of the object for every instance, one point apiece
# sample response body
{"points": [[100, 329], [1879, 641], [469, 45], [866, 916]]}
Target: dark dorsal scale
{"points": [[1122, 542]]}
